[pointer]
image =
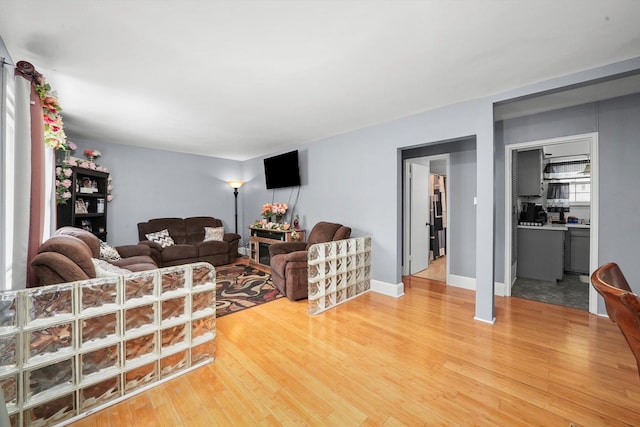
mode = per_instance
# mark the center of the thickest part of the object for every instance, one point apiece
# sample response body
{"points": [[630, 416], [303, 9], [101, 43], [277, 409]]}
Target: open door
{"points": [[419, 232]]}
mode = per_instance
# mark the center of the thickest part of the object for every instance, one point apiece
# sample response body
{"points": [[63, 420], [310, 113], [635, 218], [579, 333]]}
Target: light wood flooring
{"points": [[437, 270], [416, 360]]}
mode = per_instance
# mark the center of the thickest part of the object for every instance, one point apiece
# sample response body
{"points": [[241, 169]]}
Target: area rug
{"points": [[241, 286]]}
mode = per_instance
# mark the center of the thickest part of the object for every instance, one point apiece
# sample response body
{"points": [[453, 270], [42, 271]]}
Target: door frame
{"points": [[406, 197], [592, 137]]}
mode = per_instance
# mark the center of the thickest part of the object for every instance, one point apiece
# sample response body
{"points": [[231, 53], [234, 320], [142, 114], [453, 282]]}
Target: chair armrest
{"points": [[286, 247], [128, 251], [152, 245], [230, 237], [298, 256]]}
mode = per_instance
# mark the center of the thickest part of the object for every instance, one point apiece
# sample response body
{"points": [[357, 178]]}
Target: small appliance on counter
{"points": [[533, 215]]}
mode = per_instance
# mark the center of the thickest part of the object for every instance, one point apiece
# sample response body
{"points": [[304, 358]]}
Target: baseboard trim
{"points": [[389, 289], [470, 283]]}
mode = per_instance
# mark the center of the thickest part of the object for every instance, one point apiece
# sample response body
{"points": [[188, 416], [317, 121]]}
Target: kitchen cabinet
{"points": [[530, 173], [577, 246], [541, 252]]}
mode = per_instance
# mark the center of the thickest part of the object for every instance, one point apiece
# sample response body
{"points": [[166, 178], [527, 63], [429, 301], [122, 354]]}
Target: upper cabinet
{"points": [[530, 173]]}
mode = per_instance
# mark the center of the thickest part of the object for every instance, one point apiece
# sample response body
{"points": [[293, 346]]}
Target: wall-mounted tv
{"points": [[282, 170]]}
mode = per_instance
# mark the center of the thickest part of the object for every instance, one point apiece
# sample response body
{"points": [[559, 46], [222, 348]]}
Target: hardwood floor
{"points": [[437, 270], [416, 360]]}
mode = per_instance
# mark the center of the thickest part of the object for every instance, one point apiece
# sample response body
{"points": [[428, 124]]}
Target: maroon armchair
{"points": [[623, 306], [289, 259]]}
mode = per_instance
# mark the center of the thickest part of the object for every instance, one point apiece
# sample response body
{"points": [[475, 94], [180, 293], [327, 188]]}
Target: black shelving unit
{"points": [[87, 207]]}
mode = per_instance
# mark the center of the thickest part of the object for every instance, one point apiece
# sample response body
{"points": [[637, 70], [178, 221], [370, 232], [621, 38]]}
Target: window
{"points": [[580, 192]]}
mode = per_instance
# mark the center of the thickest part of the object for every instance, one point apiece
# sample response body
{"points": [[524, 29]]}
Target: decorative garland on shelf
{"points": [[64, 172], [55, 138]]}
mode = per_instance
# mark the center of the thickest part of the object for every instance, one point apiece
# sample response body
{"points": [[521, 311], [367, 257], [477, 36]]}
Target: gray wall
{"points": [[156, 183], [619, 151], [618, 123], [462, 213], [356, 179], [551, 124]]}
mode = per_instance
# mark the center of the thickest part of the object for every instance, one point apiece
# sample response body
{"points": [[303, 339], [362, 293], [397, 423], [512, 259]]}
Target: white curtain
{"points": [[21, 183], [49, 193]]}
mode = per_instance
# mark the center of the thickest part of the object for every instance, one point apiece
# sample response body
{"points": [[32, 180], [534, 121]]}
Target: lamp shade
{"points": [[235, 183]]}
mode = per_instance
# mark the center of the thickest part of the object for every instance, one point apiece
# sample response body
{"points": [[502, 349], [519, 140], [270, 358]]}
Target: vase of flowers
{"points": [[278, 210], [92, 155], [266, 211]]}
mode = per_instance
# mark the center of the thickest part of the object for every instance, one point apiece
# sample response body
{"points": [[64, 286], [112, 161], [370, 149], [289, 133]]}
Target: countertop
{"points": [[554, 227]]}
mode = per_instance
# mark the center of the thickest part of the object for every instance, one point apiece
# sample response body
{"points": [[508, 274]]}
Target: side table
{"points": [[260, 239]]}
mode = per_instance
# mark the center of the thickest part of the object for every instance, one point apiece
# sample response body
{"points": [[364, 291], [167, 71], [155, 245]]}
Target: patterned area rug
{"points": [[240, 286]]}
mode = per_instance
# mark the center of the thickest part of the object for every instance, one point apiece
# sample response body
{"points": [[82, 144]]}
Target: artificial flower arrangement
{"points": [[91, 155], [54, 135], [271, 209], [268, 225]]}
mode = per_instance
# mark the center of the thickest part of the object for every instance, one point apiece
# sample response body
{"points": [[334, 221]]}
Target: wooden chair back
{"points": [[623, 306]]}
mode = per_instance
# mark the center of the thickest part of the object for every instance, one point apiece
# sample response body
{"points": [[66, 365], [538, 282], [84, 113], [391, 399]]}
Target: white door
{"points": [[419, 212]]}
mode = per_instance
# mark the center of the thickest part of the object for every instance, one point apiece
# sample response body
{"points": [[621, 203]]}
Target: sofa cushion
{"points": [[178, 252], [176, 228], [136, 263], [109, 253], [161, 237], [194, 227], [212, 247], [105, 269], [213, 233]]}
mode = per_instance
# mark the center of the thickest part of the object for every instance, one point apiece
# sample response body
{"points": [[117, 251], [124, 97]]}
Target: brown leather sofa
{"points": [[289, 259], [188, 235], [66, 257]]}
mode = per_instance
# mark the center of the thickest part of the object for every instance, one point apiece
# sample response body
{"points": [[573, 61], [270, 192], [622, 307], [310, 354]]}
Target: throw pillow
{"points": [[213, 233], [161, 237], [109, 253], [104, 269]]}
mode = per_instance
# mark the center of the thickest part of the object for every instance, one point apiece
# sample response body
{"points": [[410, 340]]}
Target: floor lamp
{"points": [[235, 185]]}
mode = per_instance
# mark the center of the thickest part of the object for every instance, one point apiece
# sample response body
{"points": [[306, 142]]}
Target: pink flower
{"points": [[72, 146], [109, 187], [66, 195], [109, 198], [58, 170], [109, 178], [84, 165], [57, 183], [66, 183], [68, 172], [92, 165]]}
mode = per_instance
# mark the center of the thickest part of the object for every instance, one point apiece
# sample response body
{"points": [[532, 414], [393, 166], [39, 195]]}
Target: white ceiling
{"points": [[239, 79]]}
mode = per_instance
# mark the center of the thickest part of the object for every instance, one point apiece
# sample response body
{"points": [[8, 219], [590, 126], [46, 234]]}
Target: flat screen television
{"points": [[282, 170]]}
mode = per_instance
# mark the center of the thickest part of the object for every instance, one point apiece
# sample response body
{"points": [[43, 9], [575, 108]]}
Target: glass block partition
{"points": [[77, 347], [338, 271]]}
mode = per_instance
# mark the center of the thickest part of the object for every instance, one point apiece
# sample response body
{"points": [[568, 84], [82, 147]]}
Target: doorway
{"points": [[426, 217], [515, 230]]}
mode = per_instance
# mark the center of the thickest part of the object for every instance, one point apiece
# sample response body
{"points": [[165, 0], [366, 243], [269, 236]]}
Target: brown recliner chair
{"points": [[289, 259], [66, 257], [623, 306]]}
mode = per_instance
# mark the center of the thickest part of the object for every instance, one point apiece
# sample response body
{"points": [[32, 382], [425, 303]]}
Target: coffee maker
{"points": [[532, 214]]}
